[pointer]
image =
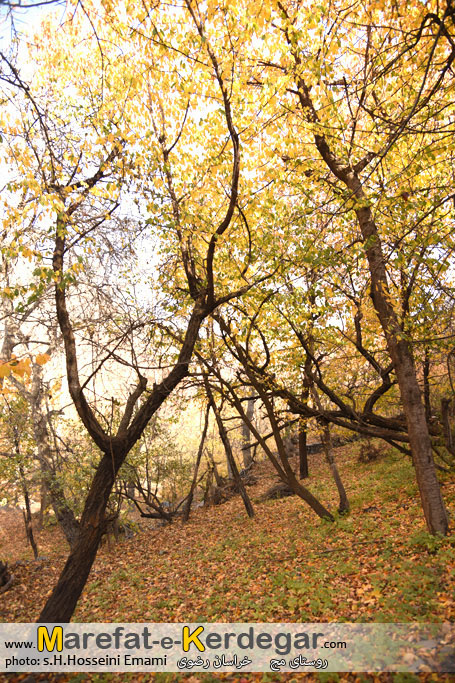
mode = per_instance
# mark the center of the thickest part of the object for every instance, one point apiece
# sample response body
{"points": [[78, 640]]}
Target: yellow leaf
{"points": [[28, 253], [42, 358], [22, 368], [5, 370]]}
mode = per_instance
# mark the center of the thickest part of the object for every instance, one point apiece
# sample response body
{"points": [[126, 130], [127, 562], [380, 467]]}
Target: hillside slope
{"points": [[377, 564]]}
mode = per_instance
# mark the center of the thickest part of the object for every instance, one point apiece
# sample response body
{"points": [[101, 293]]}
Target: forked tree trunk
{"points": [[189, 501], [136, 416], [63, 600], [228, 450]]}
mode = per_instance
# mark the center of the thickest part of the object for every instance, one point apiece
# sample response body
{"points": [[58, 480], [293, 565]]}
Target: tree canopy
{"points": [[263, 189]]}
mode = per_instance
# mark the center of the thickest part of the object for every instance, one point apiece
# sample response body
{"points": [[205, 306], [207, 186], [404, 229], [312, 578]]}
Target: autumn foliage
{"points": [[240, 209]]}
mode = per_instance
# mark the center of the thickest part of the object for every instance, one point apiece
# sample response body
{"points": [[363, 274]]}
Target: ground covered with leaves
{"points": [[376, 564], [231, 678]]}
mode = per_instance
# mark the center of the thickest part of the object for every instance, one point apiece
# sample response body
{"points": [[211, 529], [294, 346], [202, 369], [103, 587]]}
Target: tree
{"points": [[79, 192], [114, 154], [349, 175]]}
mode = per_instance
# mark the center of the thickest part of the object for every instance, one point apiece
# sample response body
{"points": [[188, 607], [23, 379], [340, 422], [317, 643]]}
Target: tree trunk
{"points": [[63, 513], [218, 477], [246, 434], [430, 492], [230, 473], [186, 512], [28, 514], [228, 450], [303, 452], [326, 439], [445, 417], [411, 398], [209, 489], [44, 502], [282, 466], [63, 600]]}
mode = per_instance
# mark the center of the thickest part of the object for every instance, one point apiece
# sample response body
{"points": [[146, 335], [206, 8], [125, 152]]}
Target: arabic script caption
{"points": [[220, 661]]}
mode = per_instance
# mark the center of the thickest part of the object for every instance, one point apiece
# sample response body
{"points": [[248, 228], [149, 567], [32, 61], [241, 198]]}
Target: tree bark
{"points": [[50, 479], [303, 452], [401, 355], [326, 439], [27, 513], [44, 502], [63, 513], [230, 473], [62, 602], [218, 477]]}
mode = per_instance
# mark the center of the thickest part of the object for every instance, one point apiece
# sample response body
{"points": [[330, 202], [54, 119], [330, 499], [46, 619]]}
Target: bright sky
{"points": [[21, 19]]}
